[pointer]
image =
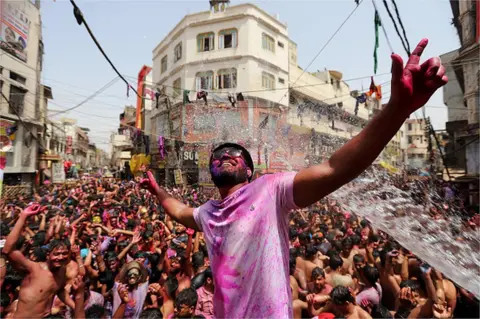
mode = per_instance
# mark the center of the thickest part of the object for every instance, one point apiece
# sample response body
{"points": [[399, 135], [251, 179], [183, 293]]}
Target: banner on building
{"points": [[204, 177], [14, 26], [68, 149], [7, 135], [178, 176], [58, 172]]}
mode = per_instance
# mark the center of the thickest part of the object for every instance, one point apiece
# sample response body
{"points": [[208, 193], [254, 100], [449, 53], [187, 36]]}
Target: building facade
{"points": [[463, 146], [239, 49], [121, 141], [21, 59]]}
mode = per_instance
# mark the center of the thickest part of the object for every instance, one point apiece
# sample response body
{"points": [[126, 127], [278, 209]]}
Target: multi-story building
{"points": [[228, 50], [243, 53], [463, 90], [417, 143], [21, 59], [121, 141]]}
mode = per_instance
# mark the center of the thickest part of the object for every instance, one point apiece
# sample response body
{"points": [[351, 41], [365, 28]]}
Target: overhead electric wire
{"points": [[401, 24], [106, 86], [81, 19], [396, 27]]}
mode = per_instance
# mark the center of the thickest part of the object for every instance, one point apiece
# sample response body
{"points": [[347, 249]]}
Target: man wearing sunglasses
{"points": [[247, 231]]}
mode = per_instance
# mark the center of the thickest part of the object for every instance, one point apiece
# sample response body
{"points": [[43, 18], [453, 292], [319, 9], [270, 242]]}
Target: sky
{"points": [[129, 30]]}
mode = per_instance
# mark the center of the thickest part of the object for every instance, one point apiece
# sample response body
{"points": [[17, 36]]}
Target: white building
{"points": [[239, 49], [21, 57], [417, 143]]}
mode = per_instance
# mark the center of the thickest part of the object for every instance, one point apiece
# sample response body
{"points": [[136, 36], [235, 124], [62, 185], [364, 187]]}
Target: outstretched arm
{"points": [[177, 210], [15, 256], [412, 87]]}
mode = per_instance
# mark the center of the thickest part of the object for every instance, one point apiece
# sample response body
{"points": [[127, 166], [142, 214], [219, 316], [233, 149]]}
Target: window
{"points": [[410, 140], [203, 81], [16, 77], [268, 80], [227, 39], [281, 81], [205, 42], [177, 87], [17, 97], [227, 78], [280, 44], [177, 52], [409, 126], [268, 43], [164, 64]]}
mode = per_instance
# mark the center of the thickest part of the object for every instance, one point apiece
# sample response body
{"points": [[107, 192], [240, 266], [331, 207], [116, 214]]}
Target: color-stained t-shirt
{"points": [[247, 240]]}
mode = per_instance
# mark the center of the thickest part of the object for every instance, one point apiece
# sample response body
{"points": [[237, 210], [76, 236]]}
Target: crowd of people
{"points": [[101, 248]]}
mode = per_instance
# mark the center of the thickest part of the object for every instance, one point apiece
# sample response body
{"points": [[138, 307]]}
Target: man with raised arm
{"points": [[247, 231], [44, 280]]}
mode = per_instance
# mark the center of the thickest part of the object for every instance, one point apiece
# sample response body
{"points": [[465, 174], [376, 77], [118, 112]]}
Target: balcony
{"points": [[121, 141]]}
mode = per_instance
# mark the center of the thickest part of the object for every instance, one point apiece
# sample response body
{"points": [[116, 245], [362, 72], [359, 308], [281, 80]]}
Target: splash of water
{"points": [[385, 206], [393, 211]]}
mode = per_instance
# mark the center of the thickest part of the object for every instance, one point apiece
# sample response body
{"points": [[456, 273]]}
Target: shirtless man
{"points": [[347, 255], [342, 304], [44, 280]]}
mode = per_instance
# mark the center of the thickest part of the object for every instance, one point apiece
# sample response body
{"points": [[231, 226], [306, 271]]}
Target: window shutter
{"points": [[221, 41], [198, 84], [212, 46], [199, 44], [234, 39]]}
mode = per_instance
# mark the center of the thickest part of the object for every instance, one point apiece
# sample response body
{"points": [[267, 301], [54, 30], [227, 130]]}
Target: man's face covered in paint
{"points": [[133, 276], [228, 167]]}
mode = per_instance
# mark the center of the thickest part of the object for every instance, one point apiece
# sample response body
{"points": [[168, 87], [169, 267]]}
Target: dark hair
{"points": [[358, 258], [292, 263], [336, 262], [380, 312], [4, 229], [187, 297], [171, 285], [95, 311], [40, 254], [151, 314], [414, 285], [58, 243], [303, 237], [4, 300], [355, 239], [292, 233], [317, 272], [341, 295], [198, 260], [364, 223], [347, 242], [208, 273], [371, 274], [310, 251]]}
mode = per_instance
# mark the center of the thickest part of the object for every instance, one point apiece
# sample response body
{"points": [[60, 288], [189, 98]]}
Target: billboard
{"points": [[14, 26]]}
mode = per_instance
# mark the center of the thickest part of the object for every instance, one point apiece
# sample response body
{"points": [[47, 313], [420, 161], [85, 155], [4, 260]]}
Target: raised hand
{"points": [[441, 311], [414, 84], [150, 183], [123, 293], [31, 210], [190, 232], [75, 250], [136, 238], [78, 285]]}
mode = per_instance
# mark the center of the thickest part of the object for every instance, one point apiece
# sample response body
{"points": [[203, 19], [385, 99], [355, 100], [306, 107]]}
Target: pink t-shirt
{"points": [[247, 240]]}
